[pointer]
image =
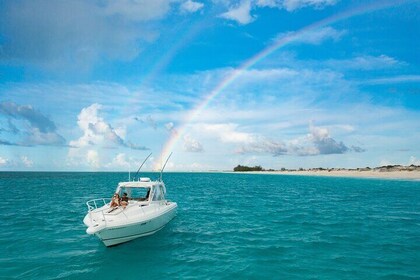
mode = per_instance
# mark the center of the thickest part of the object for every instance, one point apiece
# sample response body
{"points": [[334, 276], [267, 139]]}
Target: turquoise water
{"points": [[229, 226]]}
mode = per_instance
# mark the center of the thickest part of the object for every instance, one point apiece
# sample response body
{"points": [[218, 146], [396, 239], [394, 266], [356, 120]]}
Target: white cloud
{"points": [[26, 161], [92, 158], [323, 143], [317, 142], [191, 144], [314, 37], [269, 3], [4, 161], [96, 131], [291, 5], [191, 6], [120, 160], [227, 133], [94, 128], [240, 13], [248, 111]]}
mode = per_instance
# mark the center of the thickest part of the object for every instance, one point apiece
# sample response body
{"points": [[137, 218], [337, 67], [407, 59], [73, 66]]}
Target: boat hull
{"points": [[112, 236]]}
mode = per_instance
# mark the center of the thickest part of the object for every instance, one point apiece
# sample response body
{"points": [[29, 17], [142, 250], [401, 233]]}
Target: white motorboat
{"points": [[142, 216], [145, 212]]}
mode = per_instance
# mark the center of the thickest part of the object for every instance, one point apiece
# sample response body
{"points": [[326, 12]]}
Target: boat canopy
{"points": [[157, 187], [139, 184]]}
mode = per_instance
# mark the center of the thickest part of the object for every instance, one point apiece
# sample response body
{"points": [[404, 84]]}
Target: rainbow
{"points": [[291, 37]]}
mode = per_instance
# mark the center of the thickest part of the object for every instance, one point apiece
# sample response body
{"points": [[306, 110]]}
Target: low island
{"points": [[411, 172]]}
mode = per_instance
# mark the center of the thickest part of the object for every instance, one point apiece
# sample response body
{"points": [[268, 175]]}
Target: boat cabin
{"points": [[142, 190]]}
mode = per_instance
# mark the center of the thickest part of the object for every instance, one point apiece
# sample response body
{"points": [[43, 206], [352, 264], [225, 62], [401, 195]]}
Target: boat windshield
{"points": [[140, 194], [158, 193]]}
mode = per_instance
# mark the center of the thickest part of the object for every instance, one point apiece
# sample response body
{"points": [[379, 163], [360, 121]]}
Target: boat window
{"points": [[158, 193], [140, 194], [162, 191]]}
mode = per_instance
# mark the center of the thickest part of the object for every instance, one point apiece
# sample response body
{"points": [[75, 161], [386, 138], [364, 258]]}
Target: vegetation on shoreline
{"points": [[242, 168], [386, 168]]}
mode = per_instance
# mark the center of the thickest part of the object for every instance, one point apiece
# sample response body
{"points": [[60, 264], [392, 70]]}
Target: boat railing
{"points": [[97, 203]]}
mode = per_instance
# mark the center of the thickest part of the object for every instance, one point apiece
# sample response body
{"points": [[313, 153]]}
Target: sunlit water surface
{"points": [[229, 226]]}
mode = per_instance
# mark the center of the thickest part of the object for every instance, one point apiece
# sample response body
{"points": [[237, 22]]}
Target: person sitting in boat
{"points": [[146, 197], [115, 200], [124, 200]]}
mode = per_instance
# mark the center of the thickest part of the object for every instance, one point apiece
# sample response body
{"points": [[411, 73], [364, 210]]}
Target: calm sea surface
{"points": [[229, 226]]}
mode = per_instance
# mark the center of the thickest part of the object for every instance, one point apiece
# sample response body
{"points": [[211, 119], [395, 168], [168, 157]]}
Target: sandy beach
{"points": [[397, 175]]}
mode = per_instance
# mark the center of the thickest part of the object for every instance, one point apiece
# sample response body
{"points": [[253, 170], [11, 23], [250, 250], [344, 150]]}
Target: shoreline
{"points": [[373, 174]]}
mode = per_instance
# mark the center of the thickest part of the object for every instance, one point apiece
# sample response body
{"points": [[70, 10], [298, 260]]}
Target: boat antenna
{"points": [[161, 171], [135, 176]]}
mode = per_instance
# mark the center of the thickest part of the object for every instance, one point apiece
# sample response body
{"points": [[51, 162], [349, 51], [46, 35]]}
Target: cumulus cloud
{"points": [[120, 160], [97, 134], [26, 161], [227, 133], [323, 143], [313, 37], [319, 142], [240, 13], [291, 5], [38, 129], [191, 144], [316, 142], [191, 6], [4, 161], [93, 128], [92, 158], [96, 131]]}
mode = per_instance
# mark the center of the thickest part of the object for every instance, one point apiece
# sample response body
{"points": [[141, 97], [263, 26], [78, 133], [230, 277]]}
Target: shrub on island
{"points": [[247, 168]]}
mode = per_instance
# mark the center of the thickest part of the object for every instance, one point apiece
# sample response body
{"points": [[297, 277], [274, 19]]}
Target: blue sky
{"points": [[98, 85]]}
